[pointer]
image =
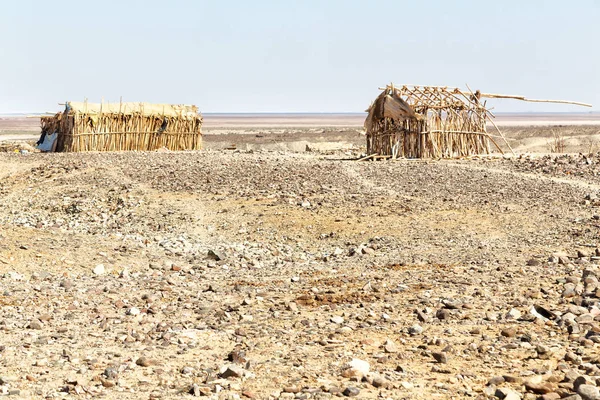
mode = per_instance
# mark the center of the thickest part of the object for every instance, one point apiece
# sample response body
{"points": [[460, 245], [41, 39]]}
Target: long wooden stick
{"points": [[367, 157], [523, 98], [559, 101], [501, 134]]}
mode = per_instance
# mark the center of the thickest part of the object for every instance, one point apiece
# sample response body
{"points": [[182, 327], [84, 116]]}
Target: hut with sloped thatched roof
{"points": [[123, 126], [433, 122]]}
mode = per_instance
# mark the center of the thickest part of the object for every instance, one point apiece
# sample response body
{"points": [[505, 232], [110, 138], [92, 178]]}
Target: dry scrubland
{"points": [[263, 274]]}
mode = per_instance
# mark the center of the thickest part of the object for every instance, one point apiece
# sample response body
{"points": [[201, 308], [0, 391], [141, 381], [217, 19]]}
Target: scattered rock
{"points": [[356, 369], [440, 357], [507, 394], [513, 313], [381, 382], [111, 373], [197, 390], [35, 324], [99, 269], [220, 264], [509, 332], [415, 330], [390, 347], [66, 284], [540, 388], [442, 314], [145, 362], [551, 396], [495, 381], [215, 255], [351, 391], [232, 371], [588, 392], [133, 311]]}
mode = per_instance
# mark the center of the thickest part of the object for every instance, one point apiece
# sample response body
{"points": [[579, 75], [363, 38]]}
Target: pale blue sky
{"points": [[294, 56]]}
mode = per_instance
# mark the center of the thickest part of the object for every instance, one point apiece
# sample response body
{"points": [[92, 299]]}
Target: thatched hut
{"points": [[434, 122], [124, 126], [426, 122]]}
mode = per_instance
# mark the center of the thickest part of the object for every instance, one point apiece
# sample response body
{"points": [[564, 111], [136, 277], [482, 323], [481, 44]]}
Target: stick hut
{"points": [[426, 122], [433, 122], [125, 126]]}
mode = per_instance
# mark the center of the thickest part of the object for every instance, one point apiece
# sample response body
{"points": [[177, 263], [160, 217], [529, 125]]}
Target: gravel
{"points": [[278, 275]]}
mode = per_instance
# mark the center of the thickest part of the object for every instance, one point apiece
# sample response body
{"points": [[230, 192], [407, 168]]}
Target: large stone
{"points": [[507, 394], [513, 313], [381, 382], [215, 255], [351, 391], [588, 392], [35, 324], [99, 269], [440, 357], [495, 381], [232, 371], [509, 332], [145, 362], [540, 388], [356, 369], [442, 314], [551, 396], [390, 347], [416, 329]]}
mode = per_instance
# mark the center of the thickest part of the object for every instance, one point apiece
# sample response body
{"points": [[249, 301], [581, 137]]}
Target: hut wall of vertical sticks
{"points": [[125, 126], [426, 122]]}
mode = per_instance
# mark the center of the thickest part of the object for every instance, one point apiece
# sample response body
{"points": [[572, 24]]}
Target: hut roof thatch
{"points": [[145, 109]]}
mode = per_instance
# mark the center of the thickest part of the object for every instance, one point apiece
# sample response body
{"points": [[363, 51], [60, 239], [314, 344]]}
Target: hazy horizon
{"points": [[301, 113], [295, 57]]}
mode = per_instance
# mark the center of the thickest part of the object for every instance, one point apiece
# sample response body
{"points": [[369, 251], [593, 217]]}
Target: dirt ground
{"points": [[274, 265]]}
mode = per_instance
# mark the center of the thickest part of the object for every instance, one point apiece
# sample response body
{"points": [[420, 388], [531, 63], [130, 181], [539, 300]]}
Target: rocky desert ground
{"points": [[259, 270]]}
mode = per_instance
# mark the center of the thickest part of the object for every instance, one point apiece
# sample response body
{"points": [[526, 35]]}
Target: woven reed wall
{"points": [[122, 132], [431, 138]]}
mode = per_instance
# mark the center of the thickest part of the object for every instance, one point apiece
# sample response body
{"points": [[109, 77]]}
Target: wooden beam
{"points": [[577, 103], [523, 98], [501, 134]]}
